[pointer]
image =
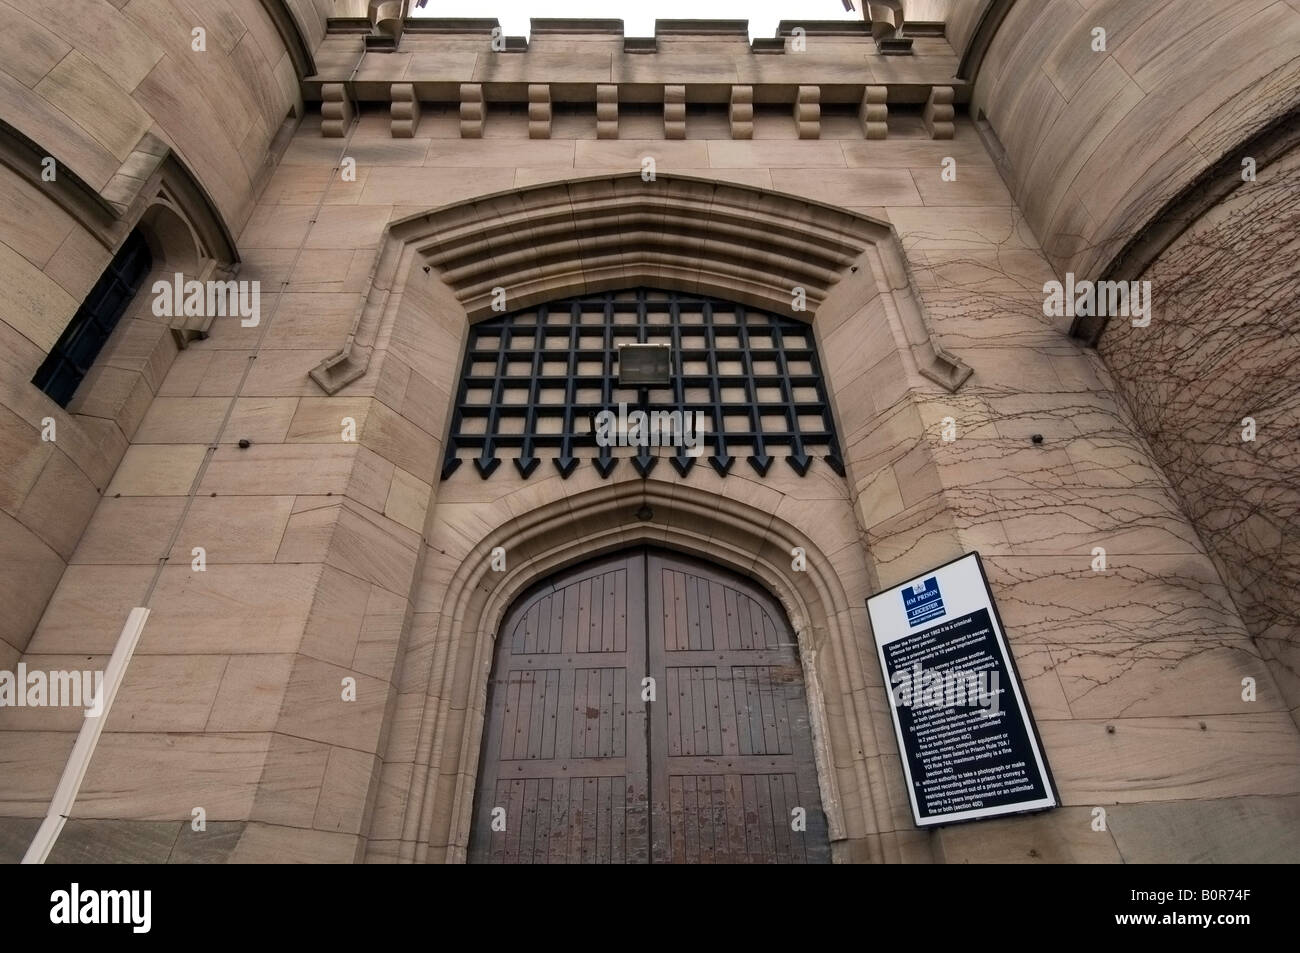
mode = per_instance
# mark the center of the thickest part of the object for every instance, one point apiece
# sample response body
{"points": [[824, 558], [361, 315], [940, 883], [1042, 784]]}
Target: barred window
{"points": [[534, 382], [84, 337]]}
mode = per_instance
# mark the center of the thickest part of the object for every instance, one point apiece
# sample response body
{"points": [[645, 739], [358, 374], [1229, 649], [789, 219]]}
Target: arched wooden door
{"points": [[647, 708]]}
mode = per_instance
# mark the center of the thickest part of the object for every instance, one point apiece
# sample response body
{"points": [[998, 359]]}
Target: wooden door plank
{"points": [[753, 832], [596, 621], [524, 716], [713, 724], [703, 591], [699, 712], [767, 837], [662, 610], [743, 622], [718, 611], [604, 823], [609, 621], [798, 839], [734, 638], [695, 638], [542, 831], [672, 690], [690, 820], [528, 822], [636, 798], [550, 713], [555, 635], [767, 710], [728, 725], [735, 821], [621, 610], [514, 807], [558, 846], [679, 612], [590, 819], [661, 829], [582, 640]]}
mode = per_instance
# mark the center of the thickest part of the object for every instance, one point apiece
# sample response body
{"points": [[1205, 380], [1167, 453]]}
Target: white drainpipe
{"points": [[75, 770]]}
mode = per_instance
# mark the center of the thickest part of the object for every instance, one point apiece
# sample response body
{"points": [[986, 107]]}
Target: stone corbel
{"points": [[808, 112], [539, 111], [741, 114], [473, 110], [674, 112], [874, 112], [939, 113], [606, 112], [405, 111], [336, 110]]}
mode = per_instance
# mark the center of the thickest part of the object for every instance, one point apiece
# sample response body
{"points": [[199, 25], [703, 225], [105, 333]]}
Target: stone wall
{"points": [[1220, 349], [330, 560], [1094, 144], [108, 93]]}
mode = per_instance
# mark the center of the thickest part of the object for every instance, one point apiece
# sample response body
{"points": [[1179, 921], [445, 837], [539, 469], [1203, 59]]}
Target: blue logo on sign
{"points": [[923, 602]]}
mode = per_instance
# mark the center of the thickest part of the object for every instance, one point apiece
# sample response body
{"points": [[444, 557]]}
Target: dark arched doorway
{"points": [[647, 708]]}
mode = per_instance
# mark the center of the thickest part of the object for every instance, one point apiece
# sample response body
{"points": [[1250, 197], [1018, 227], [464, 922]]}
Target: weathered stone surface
{"points": [[319, 567]]}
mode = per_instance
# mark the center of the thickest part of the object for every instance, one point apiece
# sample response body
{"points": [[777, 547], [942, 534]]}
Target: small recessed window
{"points": [[84, 337]]}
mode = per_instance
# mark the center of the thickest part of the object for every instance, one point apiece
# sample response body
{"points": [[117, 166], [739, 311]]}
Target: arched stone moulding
{"points": [[585, 236], [156, 192], [152, 174], [687, 519], [589, 235]]}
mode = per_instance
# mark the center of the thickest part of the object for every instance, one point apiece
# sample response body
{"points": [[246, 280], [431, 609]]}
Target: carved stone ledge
{"points": [[939, 113], [741, 113], [405, 111], [933, 361]]}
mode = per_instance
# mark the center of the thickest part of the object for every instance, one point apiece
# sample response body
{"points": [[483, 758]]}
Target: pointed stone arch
{"points": [[582, 236], [437, 806]]}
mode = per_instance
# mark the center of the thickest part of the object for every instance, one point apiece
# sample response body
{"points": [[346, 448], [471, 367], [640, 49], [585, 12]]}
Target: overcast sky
{"points": [[639, 17]]}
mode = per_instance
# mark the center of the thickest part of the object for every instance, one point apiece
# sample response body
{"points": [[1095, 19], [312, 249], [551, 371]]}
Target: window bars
{"points": [[534, 381], [81, 341]]}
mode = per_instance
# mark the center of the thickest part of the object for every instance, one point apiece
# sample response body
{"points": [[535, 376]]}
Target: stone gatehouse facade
{"points": [[333, 489]]}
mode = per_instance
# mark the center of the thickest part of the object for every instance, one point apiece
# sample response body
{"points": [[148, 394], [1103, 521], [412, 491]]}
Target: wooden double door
{"points": [[647, 708]]}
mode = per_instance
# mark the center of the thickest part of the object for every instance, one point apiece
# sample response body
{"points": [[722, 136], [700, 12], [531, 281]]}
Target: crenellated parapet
{"points": [[571, 68]]}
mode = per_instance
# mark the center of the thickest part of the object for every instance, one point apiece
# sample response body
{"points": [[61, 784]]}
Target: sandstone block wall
{"points": [[1095, 142], [329, 559]]}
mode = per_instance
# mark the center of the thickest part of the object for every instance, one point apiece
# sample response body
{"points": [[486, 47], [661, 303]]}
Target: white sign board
{"points": [[968, 743]]}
